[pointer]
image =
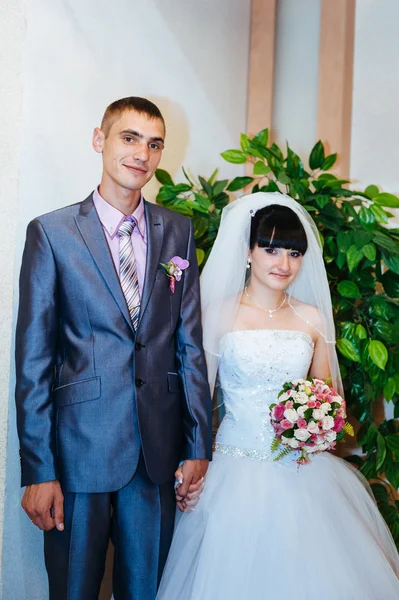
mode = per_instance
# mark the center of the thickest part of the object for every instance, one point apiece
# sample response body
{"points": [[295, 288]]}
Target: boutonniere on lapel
{"points": [[174, 270]]}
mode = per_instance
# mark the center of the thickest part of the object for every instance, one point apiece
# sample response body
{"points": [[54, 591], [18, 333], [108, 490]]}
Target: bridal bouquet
{"points": [[309, 417]]}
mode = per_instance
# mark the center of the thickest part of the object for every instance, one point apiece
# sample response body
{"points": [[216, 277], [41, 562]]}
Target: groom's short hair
{"points": [[117, 108]]}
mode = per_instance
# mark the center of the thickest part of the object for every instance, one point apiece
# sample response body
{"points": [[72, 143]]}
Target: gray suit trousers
{"points": [[139, 518]]}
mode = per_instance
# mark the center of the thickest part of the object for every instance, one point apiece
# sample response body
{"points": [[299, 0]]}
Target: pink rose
{"points": [[278, 430], [338, 424], [318, 404], [285, 424], [278, 412], [302, 424], [289, 404], [311, 404], [320, 397]]}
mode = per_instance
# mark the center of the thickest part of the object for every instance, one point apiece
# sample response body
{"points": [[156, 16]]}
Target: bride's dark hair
{"points": [[277, 226]]}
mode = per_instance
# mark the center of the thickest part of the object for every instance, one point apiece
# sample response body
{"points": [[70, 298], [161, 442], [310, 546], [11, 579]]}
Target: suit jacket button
{"points": [[139, 346], [139, 382]]}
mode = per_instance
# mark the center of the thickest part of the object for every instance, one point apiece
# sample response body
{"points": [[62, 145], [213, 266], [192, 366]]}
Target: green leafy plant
{"points": [[362, 260]]}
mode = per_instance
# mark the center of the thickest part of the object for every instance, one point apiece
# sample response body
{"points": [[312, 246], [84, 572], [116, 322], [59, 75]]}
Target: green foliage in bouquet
{"points": [[362, 261]]}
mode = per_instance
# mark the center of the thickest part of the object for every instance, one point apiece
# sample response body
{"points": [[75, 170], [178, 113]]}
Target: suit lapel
{"points": [[154, 223], [92, 232]]}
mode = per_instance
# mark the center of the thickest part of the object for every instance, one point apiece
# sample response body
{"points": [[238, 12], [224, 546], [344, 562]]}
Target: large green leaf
{"points": [[163, 177], [392, 262], [366, 218], [244, 142], [371, 191], [260, 168], [348, 349], [200, 256], [316, 158], [261, 137], [379, 213], [166, 192], [378, 353], [390, 281], [221, 200], [353, 256], [329, 162], [370, 251], [283, 177], [219, 186], [238, 183], [201, 203], [236, 157], [344, 240], [349, 289], [181, 187], [360, 332], [388, 200], [389, 389], [392, 442], [386, 242], [206, 186], [381, 451]]}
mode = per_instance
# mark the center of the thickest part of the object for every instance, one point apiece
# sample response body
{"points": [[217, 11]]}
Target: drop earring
{"points": [[248, 263]]}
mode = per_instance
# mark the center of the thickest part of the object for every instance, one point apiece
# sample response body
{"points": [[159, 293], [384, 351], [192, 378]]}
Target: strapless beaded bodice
{"points": [[253, 367]]}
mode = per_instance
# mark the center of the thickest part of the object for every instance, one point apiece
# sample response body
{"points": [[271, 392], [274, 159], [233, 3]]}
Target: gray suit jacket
{"points": [[91, 392]]}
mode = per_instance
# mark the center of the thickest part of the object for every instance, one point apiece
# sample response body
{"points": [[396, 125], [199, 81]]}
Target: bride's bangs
{"points": [[278, 226]]}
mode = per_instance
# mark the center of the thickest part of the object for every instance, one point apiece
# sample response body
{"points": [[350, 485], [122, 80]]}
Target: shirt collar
{"points": [[111, 218]]}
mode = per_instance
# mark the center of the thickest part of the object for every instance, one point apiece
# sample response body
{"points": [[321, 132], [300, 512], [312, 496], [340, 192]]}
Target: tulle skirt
{"points": [[273, 531]]}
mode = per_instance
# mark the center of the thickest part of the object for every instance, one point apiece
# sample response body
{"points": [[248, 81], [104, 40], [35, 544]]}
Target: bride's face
{"points": [[276, 268]]}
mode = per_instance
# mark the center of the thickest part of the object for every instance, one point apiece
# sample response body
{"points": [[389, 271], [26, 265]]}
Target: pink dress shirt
{"points": [[111, 218]]}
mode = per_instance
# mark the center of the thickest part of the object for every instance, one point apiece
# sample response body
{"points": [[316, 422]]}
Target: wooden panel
{"points": [[337, 33], [261, 65]]}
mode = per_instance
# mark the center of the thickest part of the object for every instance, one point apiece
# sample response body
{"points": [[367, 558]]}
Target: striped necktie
{"points": [[128, 270]]}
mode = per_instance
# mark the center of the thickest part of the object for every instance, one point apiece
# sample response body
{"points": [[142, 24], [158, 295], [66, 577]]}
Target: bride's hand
{"points": [[187, 503]]}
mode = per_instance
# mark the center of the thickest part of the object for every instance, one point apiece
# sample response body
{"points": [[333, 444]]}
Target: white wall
{"points": [[296, 74], [375, 108], [375, 117], [11, 42], [190, 57]]}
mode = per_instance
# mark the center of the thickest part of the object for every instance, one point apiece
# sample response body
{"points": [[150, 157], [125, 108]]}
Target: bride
{"points": [[263, 529]]}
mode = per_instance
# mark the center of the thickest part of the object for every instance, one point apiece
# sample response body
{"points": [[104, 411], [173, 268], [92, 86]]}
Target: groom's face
{"points": [[131, 150]]}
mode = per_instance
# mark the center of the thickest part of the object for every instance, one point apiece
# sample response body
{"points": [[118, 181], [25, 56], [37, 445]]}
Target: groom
{"points": [[111, 379]]}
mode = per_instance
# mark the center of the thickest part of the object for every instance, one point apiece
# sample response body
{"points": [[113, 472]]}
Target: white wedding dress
{"points": [[265, 530]]}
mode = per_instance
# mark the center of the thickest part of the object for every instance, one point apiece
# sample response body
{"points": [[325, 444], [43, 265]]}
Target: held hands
{"points": [[190, 483], [44, 505]]}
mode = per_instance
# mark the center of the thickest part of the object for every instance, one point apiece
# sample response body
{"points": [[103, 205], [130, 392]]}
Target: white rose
{"points": [[323, 447], [301, 411], [302, 435], [313, 427], [331, 436], [301, 398], [311, 448], [291, 415], [326, 407], [328, 423], [293, 443], [283, 397], [317, 414]]}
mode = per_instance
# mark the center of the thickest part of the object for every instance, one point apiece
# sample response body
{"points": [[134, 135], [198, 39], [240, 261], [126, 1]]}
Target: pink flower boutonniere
{"points": [[174, 270]]}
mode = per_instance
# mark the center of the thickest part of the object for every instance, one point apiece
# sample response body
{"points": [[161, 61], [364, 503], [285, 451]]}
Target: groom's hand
{"points": [[44, 505], [193, 472]]}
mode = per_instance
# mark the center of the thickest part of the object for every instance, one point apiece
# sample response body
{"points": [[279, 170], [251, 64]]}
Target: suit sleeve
{"points": [[35, 351], [193, 372]]}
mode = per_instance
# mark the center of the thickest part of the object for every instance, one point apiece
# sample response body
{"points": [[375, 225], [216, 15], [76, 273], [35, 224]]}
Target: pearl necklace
{"points": [[269, 310]]}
